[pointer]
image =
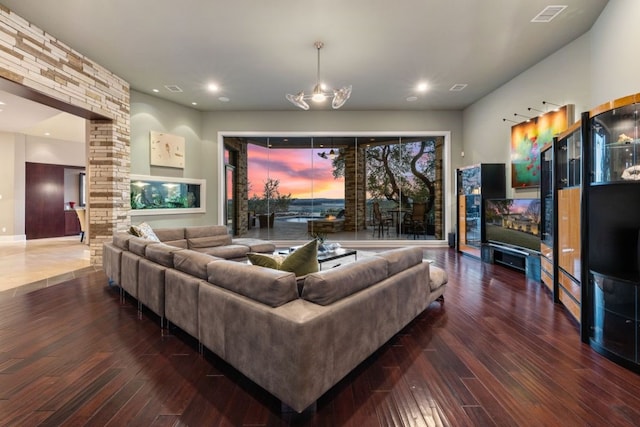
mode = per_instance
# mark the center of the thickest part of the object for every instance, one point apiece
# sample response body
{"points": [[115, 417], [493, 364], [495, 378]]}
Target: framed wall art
{"points": [[527, 140], [166, 150]]}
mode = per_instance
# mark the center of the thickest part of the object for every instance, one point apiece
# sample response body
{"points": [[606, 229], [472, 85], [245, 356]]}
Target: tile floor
{"points": [[35, 264]]}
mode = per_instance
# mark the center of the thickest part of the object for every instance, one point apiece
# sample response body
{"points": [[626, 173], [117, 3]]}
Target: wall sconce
{"points": [[526, 117], [507, 120], [557, 106]]}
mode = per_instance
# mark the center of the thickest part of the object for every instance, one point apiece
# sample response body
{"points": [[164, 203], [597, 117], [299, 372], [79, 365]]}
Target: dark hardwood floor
{"points": [[498, 352]]}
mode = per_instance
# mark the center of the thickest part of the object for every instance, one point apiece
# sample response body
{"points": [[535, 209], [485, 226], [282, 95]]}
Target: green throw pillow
{"points": [[303, 260], [265, 260]]}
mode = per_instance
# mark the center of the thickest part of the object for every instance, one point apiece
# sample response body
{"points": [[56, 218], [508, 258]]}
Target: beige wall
{"points": [[34, 61], [7, 188], [594, 68], [614, 62], [597, 67], [351, 122], [202, 130], [557, 79]]}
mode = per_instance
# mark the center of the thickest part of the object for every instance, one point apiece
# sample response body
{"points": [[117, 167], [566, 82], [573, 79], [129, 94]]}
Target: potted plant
{"points": [[271, 202]]}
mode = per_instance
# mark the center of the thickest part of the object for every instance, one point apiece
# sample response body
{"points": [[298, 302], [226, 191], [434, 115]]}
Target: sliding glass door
{"points": [[296, 188]]}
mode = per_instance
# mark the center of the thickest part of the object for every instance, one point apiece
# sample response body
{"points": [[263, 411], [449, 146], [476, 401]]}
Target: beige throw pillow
{"points": [[144, 230]]}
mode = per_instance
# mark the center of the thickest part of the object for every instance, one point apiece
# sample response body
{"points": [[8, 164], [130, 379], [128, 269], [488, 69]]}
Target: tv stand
{"points": [[513, 257]]}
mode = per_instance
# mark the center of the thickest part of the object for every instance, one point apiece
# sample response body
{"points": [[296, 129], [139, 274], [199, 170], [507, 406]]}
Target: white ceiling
{"points": [[20, 115], [257, 51]]}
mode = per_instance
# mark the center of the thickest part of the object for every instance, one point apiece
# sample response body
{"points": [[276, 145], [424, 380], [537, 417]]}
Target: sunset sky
{"points": [[301, 172]]}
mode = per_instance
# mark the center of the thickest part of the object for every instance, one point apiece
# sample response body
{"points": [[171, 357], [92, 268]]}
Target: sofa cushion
{"points": [[437, 277], [255, 245], [303, 260], [121, 240], [182, 243], [138, 245], [170, 234], [226, 251], [144, 230], [192, 262], [329, 286], [207, 236], [209, 241], [205, 231], [401, 259], [161, 254], [271, 287]]}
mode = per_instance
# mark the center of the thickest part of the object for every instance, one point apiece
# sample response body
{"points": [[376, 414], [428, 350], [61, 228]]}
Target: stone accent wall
{"points": [[108, 184], [355, 195], [239, 146], [62, 77]]}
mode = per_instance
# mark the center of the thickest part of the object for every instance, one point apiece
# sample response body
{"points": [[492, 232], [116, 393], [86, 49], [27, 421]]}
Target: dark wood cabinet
{"points": [[71, 223], [561, 192]]}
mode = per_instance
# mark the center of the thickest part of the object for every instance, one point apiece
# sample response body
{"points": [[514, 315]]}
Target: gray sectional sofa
{"points": [[294, 337]]}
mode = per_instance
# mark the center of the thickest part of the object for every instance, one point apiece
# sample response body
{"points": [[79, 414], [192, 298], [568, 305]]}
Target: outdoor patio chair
{"points": [[380, 221]]}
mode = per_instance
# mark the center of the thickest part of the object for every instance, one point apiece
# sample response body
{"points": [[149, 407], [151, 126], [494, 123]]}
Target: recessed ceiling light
{"points": [[212, 87], [412, 98], [194, 103], [156, 90], [2, 103], [47, 133], [422, 87], [223, 99]]}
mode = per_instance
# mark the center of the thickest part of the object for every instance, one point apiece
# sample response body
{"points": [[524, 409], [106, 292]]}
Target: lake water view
{"points": [[304, 209]]}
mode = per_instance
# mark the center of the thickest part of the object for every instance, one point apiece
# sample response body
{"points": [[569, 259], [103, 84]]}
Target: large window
{"points": [[299, 187]]}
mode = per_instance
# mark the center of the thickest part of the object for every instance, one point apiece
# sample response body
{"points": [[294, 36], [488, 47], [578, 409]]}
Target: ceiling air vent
{"points": [[548, 13], [173, 88], [458, 87]]}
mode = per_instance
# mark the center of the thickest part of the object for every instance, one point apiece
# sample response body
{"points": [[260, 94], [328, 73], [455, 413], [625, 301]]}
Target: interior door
{"points": [[44, 201]]}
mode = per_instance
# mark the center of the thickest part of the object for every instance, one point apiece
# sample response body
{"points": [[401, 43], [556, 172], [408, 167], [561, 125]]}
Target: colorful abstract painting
{"points": [[528, 138]]}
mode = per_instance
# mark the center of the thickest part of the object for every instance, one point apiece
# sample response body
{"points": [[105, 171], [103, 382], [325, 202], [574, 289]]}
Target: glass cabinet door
{"points": [[615, 145], [546, 196], [473, 220], [574, 147]]}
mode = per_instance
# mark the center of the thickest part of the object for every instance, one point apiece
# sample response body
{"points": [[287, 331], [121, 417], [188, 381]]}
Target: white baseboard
{"points": [[15, 238]]}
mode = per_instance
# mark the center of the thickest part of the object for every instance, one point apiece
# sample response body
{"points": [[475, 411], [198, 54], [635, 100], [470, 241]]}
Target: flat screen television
{"points": [[513, 222]]}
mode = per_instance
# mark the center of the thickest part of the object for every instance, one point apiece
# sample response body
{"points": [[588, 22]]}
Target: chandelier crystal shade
{"points": [[319, 94]]}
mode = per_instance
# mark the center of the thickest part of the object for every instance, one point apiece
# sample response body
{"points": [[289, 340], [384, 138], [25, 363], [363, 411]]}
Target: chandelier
{"points": [[330, 155], [320, 94]]}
